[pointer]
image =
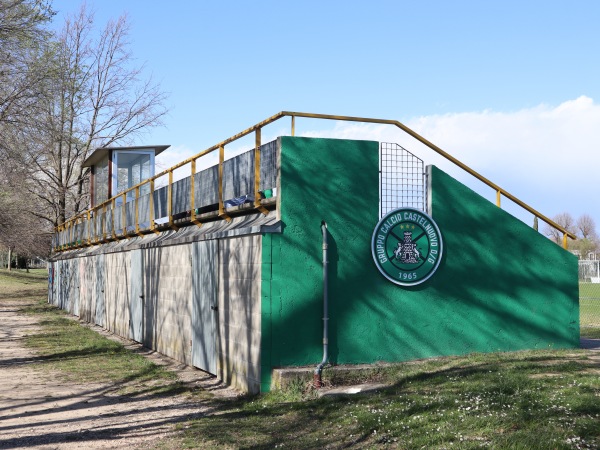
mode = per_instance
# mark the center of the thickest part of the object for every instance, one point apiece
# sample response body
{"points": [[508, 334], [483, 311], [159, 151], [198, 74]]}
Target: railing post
{"points": [[257, 143], [76, 232], [565, 243], [95, 236], [498, 198], [137, 216], [113, 206], [222, 212], [151, 207], [124, 212], [89, 222], [293, 125], [103, 222], [192, 196], [170, 201], [72, 234]]}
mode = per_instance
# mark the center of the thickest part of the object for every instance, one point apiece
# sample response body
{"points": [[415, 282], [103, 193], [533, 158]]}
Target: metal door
{"points": [[51, 292], [99, 286], [136, 297], [62, 278], [205, 288], [74, 284]]}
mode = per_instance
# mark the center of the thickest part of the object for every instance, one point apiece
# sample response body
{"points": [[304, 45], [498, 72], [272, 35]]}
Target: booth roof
{"points": [[98, 154]]}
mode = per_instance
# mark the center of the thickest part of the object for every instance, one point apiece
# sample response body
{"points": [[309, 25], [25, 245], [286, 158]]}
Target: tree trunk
{"points": [[9, 258]]}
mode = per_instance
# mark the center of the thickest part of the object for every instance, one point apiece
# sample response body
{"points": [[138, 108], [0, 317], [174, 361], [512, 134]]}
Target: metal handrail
{"points": [[257, 129]]}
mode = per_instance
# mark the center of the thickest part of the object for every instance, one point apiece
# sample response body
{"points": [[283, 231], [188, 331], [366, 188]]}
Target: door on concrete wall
{"points": [[205, 288], [136, 297], [74, 285], [51, 283], [84, 285], [99, 286], [62, 281]]}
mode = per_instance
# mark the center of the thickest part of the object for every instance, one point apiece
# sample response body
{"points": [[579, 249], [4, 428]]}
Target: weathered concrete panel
{"points": [[87, 301], [109, 286], [136, 297], [74, 283], [205, 301], [117, 292], [238, 346], [167, 309], [99, 288]]}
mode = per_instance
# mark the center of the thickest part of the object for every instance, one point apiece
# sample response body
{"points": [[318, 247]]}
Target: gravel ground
{"points": [[38, 410]]}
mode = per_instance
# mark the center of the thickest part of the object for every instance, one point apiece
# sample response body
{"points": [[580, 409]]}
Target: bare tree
{"points": [[586, 227], [61, 96], [22, 40], [96, 98], [21, 232], [588, 238], [563, 219]]}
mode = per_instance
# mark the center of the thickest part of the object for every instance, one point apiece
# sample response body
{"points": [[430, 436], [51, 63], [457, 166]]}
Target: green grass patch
{"points": [[522, 400], [589, 312], [528, 400], [590, 332], [589, 309], [18, 284], [84, 356], [591, 290]]}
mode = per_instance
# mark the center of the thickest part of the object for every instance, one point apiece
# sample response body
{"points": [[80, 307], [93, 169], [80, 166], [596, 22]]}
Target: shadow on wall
{"points": [[167, 301], [500, 286], [239, 324]]}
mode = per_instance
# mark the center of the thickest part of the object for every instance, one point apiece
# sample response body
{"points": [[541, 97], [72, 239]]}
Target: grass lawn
{"points": [[589, 309], [521, 400], [80, 354]]}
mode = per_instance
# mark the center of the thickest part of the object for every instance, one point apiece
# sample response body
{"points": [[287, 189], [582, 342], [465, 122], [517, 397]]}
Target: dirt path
{"points": [[38, 410]]}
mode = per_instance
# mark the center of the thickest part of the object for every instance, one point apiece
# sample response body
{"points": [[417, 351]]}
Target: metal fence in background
{"points": [[589, 271], [401, 179], [589, 298]]}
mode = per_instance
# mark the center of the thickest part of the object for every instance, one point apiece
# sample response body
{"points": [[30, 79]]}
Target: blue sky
{"points": [[510, 88]]}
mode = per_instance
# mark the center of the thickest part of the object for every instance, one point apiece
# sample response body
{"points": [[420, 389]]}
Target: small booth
{"points": [[115, 169]]}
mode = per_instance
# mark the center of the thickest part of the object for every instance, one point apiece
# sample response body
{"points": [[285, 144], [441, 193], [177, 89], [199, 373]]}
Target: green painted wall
{"points": [[500, 285]]}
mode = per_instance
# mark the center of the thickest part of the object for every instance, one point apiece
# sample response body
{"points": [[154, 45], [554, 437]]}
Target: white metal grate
{"points": [[401, 179]]}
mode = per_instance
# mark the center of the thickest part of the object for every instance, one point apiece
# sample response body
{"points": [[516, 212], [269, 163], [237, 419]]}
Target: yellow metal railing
{"points": [[69, 225]]}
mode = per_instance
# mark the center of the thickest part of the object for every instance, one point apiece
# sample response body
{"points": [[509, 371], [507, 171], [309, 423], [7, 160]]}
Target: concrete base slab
{"points": [[332, 376]]}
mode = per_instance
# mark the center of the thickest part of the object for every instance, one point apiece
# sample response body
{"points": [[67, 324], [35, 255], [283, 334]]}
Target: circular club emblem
{"points": [[407, 246]]}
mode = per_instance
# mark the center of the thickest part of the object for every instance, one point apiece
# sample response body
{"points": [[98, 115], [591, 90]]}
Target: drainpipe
{"points": [[317, 375]]}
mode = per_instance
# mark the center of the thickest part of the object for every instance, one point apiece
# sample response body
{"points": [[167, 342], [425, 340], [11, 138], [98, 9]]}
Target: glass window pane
{"points": [[132, 168], [101, 181]]}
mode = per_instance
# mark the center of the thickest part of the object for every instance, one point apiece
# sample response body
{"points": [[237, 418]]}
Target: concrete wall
{"points": [[500, 285], [510, 288], [239, 332], [87, 293], [117, 290], [167, 304]]}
